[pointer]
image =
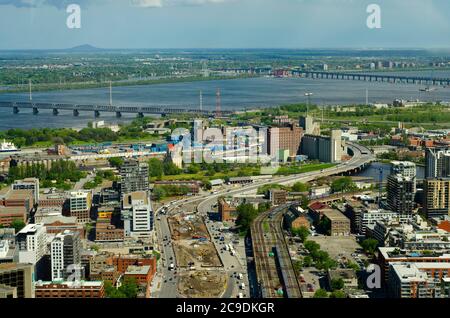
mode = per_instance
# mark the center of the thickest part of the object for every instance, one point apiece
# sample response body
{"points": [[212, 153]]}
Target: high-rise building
{"points": [[134, 176], [80, 203], [437, 163], [32, 243], [400, 194], [405, 169], [137, 215], [65, 251], [437, 197], [19, 277], [288, 137]]}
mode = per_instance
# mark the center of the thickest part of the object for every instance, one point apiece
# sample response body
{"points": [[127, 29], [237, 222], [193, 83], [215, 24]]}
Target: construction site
{"points": [[192, 242], [202, 284]]}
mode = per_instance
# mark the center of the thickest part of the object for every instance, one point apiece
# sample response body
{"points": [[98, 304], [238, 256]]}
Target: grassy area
{"points": [[254, 171], [89, 85]]}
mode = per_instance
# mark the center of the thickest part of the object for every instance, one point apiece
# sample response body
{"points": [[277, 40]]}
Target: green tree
{"points": [[321, 293], [155, 168], [338, 294], [300, 187], [170, 169], [246, 214], [369, 245], [344, 184], [18, 225], [115, 162], [301, 232], [337, 284]]}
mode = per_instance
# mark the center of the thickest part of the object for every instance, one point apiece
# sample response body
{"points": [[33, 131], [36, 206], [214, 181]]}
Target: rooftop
{"points": [[138, 270]]}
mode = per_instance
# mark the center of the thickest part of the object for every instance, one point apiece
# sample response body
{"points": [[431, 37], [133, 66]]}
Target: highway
{"points": [[361, 157]]}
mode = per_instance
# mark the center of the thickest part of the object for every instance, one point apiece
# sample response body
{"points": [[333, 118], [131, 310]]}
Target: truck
{"points": [[240, 276], [242, 286]]}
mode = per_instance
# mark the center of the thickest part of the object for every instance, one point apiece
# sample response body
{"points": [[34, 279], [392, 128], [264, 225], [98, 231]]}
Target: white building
{"points": [[32, 243], [137, 215], [65, 251]]}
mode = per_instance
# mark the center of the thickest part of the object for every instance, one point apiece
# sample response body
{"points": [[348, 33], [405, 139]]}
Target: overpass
{"points": [[98, 109], [387, 78]]}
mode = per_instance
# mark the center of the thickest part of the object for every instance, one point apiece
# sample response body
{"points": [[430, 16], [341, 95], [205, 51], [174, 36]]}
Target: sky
{"points": [[41, 24]]}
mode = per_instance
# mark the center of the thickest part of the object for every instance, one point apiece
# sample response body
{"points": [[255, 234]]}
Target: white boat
{"points": [[8, 147]]}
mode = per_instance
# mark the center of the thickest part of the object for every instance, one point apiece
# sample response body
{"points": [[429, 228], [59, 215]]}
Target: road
{"points": [[361, 156]]}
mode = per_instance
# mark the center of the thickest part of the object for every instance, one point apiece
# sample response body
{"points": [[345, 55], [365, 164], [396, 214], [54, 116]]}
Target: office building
{"points": [[19, 277], [32, 243], [80, 203], [134, 176], [437, 197], [65, 251], [137, 215], [437, 163], [400, 194], [287, 137]]}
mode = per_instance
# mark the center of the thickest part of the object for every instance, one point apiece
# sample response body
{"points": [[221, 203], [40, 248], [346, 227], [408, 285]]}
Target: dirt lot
{"points": [[186, 227], [192, 242], [201, 254], [202, 284]]}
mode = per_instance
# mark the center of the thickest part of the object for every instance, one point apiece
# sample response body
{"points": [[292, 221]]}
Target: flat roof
{"points": [[138, 270], [335, 215]]}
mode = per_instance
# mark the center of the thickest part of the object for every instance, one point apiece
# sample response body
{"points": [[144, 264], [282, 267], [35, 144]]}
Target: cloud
{"points": [[60, 4]]}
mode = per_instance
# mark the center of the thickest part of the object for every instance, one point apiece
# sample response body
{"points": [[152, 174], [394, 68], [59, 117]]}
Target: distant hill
{"points": [[84, 48]]}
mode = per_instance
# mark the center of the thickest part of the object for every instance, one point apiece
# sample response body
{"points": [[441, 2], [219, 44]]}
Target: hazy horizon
{"points": [[225, 24]]}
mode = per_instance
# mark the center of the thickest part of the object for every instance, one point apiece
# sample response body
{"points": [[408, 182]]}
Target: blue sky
{"points": [[40, 24]]}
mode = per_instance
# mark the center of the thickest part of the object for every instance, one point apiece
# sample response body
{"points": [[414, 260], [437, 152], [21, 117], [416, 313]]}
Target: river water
{"points": [[237, 94]]}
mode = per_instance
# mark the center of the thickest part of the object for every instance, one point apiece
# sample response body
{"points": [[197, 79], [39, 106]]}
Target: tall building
{"points": [[437, 197], [32, 243], [137, 215], [400, 194], [80, 203], [437, 163], [288, 137], [309, 126], [324, 148], [19, 277], [405, 169], [65, 251], [134, 176]]}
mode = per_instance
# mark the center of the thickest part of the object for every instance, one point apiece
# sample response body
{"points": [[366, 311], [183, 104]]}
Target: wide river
{"points": [[236, 94]]}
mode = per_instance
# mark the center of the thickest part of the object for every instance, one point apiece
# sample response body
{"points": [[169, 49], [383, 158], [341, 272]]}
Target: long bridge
{"points": [[387, 78], [98, 109]]}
